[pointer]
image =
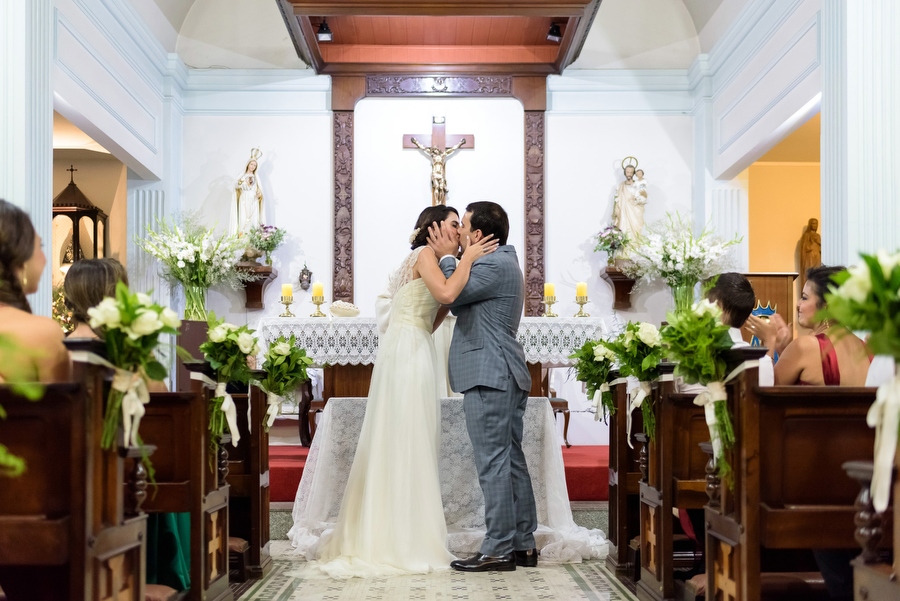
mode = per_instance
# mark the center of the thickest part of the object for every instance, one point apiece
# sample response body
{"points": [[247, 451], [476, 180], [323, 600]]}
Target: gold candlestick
{"points": [[317, 301], [287, 301], [582, 301], [548, 312]]}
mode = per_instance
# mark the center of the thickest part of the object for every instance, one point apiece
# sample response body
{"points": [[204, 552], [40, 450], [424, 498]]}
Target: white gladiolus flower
{"points": [[105, 315], [146, 323], [282, 348], [170, 318], [648, 334], [218, 334], [246, 342], [888, 262]]}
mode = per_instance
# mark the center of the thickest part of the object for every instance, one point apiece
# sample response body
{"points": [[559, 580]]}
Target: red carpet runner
{"points": [[587, 472]]}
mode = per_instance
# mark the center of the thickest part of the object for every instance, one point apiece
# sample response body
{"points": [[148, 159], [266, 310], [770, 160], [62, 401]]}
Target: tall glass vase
{"points": [[194, 302], [684, 296]]}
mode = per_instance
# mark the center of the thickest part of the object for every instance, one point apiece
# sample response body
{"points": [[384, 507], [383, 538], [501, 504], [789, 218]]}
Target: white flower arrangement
{"points": [[670, 251]]}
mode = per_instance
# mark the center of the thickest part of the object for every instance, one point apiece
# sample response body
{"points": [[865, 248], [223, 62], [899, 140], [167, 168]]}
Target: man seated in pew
{"points": [[734, 294], [830, 355], [22, 261], [88, 282]]}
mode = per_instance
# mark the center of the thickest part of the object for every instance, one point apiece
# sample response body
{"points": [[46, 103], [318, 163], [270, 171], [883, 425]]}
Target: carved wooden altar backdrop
{"points": [[531, 91]]}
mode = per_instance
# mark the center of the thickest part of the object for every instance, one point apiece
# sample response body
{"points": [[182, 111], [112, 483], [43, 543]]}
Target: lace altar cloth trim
{"points": [[331, 455], [354, 340]]}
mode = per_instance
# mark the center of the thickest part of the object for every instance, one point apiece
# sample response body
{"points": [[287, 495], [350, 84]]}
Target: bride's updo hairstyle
{"points": [[16, 246], [426, 218]]}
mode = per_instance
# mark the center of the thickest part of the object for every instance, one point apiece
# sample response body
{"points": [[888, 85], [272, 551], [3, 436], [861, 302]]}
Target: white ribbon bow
{"points": [[274, 402], [134, 387], [598, 400], [637, 396], [715, 391], [228, 407], [133, 384], [884, 416]]}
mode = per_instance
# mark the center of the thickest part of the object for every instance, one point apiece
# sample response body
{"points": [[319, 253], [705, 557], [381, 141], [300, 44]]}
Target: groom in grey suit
{"points": [[487, 364]]}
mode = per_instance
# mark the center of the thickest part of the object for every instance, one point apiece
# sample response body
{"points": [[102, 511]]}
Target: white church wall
{"points": [[392, 184], [109, 79], [284, 114], [595, 120], [766, 80]]}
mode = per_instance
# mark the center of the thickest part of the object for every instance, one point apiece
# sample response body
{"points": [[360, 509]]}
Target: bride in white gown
{"points": [[391, 519]]}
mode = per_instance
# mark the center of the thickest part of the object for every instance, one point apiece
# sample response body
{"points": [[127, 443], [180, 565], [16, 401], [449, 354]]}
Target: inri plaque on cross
{"points": [[438, 146]]}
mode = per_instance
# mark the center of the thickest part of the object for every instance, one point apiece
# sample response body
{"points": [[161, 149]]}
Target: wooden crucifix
{"points": [[436, 147]]}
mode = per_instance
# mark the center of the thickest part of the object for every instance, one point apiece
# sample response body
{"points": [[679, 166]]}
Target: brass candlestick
{"points": [[287, 301], [317, 301], [548, 312], [582, 301]]}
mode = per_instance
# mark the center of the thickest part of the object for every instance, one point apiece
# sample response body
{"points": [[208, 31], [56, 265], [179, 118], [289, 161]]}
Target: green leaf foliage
{"points": [[593, 362]]}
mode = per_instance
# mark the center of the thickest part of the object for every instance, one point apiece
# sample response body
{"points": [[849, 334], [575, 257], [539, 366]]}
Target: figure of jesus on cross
{"points": [[435, 146]]}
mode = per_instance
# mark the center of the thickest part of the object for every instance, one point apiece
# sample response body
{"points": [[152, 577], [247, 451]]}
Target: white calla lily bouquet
{"points": [[593, 364], [867, 298], [285, 365], [130, 325], [697, 340], [226, 350]]}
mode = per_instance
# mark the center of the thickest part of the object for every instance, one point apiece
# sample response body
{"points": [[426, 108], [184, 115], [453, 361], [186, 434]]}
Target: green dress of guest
{"points": [[168, 550]]}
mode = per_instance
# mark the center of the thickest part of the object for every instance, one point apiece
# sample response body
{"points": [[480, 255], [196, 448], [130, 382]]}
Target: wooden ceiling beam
{"points": [[475, 8]]}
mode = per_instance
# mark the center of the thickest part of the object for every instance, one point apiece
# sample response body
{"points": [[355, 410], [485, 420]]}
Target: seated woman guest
{"points": [[88, 282], [830, 355], [22, 260]]}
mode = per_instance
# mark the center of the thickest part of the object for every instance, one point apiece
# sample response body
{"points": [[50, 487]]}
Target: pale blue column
{"points": [[26, 118], [860, 128]]}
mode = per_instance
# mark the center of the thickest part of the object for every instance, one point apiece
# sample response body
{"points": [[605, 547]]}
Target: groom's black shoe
{"points": [[527, 559], [486, 563]]}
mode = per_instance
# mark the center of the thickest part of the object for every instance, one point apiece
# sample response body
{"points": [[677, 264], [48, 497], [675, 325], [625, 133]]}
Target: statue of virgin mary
{"points": [[247, 202]]}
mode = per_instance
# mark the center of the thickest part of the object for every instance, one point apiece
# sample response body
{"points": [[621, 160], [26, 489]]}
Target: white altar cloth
{"points": [[354, 340], [327, 468]]}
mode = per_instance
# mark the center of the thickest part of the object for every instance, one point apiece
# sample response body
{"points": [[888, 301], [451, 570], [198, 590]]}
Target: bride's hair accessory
{"points": [[412, 236]]}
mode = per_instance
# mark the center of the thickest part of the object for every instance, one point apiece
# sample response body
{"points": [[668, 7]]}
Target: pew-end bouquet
{"points": [[697, 340], [226, 350], [285, 365], [639, 351], [130, 325], [593, 364], [866, 298]]}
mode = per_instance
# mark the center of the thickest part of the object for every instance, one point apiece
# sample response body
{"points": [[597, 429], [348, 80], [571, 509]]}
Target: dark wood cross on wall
{"points": [[438, 146]]}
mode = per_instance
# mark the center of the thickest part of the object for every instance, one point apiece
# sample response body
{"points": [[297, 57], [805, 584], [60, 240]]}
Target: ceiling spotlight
{"points": [[324, 33], [554, 35]]}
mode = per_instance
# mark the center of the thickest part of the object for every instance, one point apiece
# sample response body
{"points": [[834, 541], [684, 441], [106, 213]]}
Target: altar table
{"points": [[328, 465], [353, 341]]}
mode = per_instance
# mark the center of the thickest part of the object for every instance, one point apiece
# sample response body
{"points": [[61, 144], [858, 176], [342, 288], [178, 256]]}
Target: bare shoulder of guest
{"points": [[46, 338]]}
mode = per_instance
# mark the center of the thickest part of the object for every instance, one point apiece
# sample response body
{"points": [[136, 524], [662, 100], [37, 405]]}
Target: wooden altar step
{"points": [[587, 472]]}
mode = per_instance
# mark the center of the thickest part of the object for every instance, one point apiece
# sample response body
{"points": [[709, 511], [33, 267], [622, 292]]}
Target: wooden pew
{"points": [[177, 423], [624, 482], [874, 578], [64, 530], [248, 478], [680, 474], [790, 492]]}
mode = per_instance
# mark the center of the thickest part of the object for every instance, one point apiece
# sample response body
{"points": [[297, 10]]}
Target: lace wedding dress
{"points": [[391, 519]]}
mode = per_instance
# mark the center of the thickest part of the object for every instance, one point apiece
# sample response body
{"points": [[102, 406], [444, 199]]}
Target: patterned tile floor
{"points": [[589, 581]]}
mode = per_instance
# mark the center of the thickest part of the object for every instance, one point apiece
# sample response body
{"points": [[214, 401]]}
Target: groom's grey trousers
{"points": [[494, 420]]}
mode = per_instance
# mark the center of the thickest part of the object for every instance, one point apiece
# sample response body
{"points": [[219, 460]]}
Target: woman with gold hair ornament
{"points": [[247, 204], [631, 196]]}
